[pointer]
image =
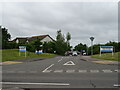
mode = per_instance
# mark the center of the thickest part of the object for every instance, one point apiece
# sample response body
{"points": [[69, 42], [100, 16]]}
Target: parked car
{"points": [[74, 53]]}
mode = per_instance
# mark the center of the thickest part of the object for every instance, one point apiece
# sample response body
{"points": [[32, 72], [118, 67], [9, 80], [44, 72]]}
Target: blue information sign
{"points": [[106, 48], [22, 48]]}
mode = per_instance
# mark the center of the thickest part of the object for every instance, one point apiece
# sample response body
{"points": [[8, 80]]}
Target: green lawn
{"points": [[108, 56], [13, 54]]}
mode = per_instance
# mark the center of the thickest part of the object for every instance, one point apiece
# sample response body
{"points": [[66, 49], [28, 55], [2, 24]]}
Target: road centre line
{"points": [[107, 71], [82, 71], [17, 83], [48, 68], [58, 71], [70, 71], [94, 71]]}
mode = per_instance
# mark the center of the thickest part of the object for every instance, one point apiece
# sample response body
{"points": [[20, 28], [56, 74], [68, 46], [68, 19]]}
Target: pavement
{"points": [[100, 61], [59, 72]]}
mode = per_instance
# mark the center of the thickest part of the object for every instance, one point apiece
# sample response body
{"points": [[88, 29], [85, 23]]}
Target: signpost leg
{"points": [[19, 53], [112, 53], [100, 53], [25, 54]]}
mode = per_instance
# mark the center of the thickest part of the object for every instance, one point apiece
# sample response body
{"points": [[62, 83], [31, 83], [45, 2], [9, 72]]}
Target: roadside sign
{"points": [[106, 49], [22, 49]]}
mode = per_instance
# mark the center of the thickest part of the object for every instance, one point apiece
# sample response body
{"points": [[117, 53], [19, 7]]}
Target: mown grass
{"points": [[13, 54], [108, 56]]}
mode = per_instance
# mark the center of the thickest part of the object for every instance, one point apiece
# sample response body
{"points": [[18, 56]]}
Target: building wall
{"points": [[46, 39], [17, 41]]}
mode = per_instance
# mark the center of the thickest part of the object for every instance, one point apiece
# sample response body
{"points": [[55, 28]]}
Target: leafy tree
{"points": [[60, 45], [49, 47], [96, 47], [68, 37], [80, 47], [60, 37], [5, 37]]}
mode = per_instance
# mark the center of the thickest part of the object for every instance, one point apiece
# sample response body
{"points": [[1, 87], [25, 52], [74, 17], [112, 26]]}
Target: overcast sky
{"points": [[81, 19]]}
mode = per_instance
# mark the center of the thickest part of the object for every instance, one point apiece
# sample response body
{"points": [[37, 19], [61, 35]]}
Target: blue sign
{"points": [[106, 48], [22, 48]]}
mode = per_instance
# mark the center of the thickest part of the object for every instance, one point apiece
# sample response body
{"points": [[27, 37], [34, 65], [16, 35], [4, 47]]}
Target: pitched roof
{"points": [[24, 39]]}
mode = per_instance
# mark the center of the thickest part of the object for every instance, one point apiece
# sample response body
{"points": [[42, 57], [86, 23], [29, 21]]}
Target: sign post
{"points": [[22, 49], [106, 49]]}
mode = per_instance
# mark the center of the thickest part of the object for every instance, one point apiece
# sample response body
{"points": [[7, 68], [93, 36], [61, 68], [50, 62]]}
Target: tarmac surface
{"points": [[60, 72]]}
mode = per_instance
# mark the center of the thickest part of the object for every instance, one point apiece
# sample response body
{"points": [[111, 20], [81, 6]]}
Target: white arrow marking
{"points": [[69, 63]]}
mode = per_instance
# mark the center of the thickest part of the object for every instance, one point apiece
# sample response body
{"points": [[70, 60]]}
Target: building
{"points": [[42, 38]]}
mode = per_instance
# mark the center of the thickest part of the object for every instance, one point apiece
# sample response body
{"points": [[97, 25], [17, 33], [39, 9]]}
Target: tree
{"points": [[68, 37], [80, 47], [49, 47], [60, 37], [60, 45], [5, 37]]}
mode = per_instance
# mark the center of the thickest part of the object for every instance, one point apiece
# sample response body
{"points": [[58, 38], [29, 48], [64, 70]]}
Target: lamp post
{"points": [[91, 38]]}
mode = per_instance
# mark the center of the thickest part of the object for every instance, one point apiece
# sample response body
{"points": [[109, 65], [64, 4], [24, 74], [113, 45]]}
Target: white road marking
{"points": [[10, 71], [33, 71], [58, 71], [47, 68], [82, 71], [69, 63], [60, 60], [116, 85], [116, 70], [21, 71], [70, 71], [107, 71], [94, 71], [47, 71], [17, 83]]}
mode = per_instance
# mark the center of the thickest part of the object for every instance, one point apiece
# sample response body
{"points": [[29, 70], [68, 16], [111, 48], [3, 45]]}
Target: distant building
{"points": [[42, 38]]}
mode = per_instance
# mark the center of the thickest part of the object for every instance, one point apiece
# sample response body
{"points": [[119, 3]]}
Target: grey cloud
{"points": [[82, 20]]}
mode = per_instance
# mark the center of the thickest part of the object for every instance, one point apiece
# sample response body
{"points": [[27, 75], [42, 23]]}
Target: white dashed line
{"points": [[94, 71], [58, 71], [70, 71], [10, 71], [33, 71], [21, 71], [107, 71], [46, 70], [82, 71]]}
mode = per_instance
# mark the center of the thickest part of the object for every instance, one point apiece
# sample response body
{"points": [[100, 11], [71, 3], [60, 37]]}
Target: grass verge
{"points": [[13, 54], [108, 56]]}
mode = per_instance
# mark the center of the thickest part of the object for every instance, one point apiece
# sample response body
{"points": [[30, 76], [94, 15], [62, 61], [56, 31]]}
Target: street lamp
{"points": [[91, 38]]}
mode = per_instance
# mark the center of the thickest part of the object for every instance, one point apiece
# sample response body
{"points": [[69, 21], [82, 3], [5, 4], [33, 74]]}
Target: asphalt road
{"points": [[60, 72]]}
